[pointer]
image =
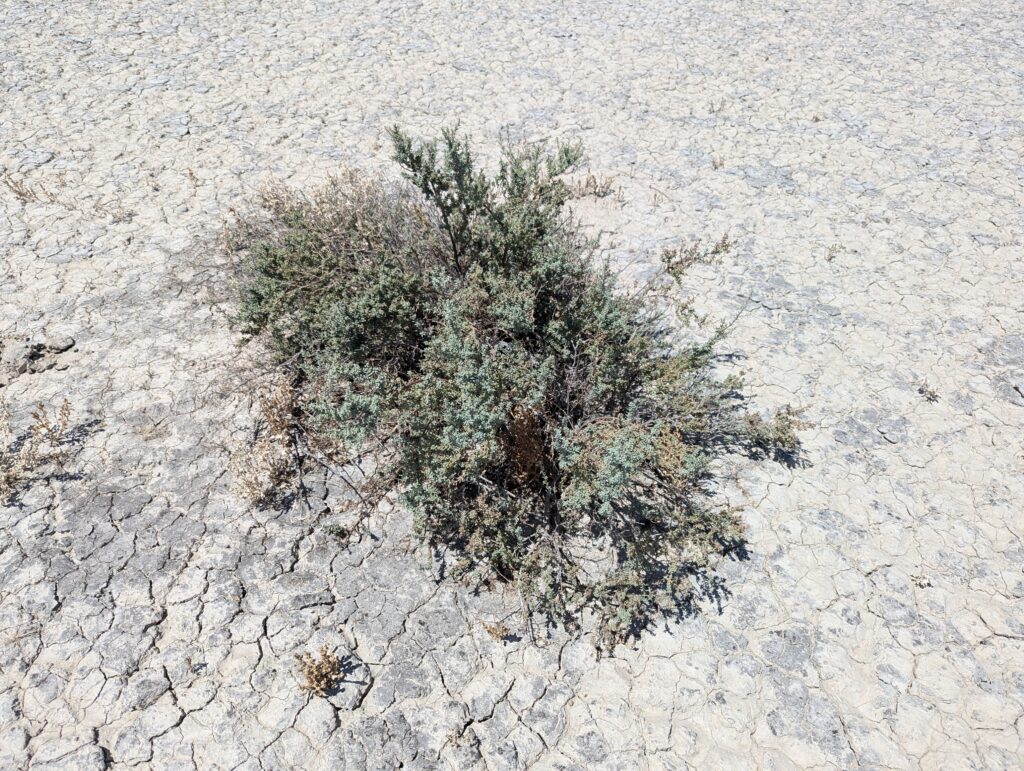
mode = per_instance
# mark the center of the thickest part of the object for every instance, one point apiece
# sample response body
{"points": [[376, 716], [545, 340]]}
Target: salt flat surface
{"points": [[867, 158]]}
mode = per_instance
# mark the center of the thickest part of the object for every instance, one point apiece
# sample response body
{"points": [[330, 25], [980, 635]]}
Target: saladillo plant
{"points": [[544, 423]]}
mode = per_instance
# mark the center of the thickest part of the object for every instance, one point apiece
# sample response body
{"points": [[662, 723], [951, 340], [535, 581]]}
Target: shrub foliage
{"points": [[547, 426]]}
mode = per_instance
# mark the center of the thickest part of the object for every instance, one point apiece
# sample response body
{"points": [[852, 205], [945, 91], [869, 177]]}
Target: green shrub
{"points": [[549, 427]]}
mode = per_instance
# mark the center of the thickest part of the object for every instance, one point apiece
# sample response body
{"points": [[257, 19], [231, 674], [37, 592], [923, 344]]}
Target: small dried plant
{"points": [[596, 187], [25, 458], [678, 261], [42, 194], [319, 674], [498, 631], [20, 189], [779, 432], [263, 468]]}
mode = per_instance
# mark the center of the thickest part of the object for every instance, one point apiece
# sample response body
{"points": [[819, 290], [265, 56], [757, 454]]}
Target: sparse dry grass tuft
{"points": [[679, 260], [595, 187], [43, 194], [43, 449], [19, 188], [264, 467]]}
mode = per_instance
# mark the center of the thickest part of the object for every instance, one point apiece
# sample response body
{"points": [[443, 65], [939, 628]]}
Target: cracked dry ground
{"points": [[866, 157]]}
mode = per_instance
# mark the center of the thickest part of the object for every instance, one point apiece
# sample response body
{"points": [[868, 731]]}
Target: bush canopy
{"points": [[546, 425]]}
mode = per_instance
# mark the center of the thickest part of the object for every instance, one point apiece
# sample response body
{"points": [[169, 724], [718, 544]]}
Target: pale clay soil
{"points": [[867, 159]]}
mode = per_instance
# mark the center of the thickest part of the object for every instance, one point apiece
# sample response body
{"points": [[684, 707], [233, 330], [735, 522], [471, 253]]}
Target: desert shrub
{"points": [[549, 427]]}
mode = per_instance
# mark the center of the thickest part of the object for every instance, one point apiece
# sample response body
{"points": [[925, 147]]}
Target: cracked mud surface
{"points": [[865, 156]]}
